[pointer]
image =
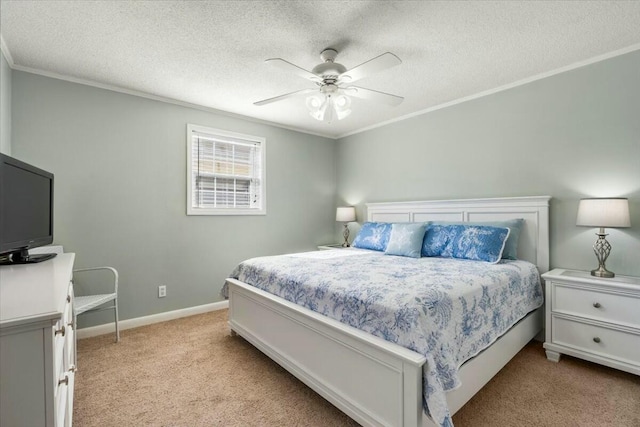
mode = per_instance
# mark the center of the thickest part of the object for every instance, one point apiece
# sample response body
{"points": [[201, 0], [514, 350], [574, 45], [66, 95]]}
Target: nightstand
{"points": [[593, 318], [327, 247]]}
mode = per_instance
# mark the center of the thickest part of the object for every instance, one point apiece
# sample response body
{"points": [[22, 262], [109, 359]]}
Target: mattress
{"points": [[445, 309]]}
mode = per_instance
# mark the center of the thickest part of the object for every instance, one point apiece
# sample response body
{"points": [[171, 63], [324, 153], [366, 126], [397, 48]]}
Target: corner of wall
{"points": [[5, 103]]}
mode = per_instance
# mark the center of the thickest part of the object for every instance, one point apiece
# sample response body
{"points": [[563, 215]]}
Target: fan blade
{"points": [[379, 63], [288, 66], [373, 95], [285, 96]]}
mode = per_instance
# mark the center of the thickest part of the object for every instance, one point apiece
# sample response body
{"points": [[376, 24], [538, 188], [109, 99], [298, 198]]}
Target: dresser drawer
{"points": [[608, 307], [68, 420], [63, 341], [59, 341], [64, 355], [69, 349], [62, 394], [70, 335], [610, 343]]}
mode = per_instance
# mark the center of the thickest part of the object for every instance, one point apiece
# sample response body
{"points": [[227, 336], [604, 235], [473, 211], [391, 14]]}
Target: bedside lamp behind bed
{"points": [[346, 214]]}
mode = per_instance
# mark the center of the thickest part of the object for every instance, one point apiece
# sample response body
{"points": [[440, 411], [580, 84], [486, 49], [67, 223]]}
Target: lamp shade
{"points": [[611, 212], [346, 214]]}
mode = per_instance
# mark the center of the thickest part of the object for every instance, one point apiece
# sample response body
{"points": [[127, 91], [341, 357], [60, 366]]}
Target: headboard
{"points": [[533, 245]]}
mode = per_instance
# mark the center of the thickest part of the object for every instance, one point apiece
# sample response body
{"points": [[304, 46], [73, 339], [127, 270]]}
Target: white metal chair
{"points": [[87, 303]]}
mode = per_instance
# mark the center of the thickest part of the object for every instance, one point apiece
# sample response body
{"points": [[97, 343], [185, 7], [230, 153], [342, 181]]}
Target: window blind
{"points": [[226, 172]]}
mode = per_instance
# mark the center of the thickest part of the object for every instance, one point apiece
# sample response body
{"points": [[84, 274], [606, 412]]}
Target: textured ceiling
{"points": [[211, 53]]}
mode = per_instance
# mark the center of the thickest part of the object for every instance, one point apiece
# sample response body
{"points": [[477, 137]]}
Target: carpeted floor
{"points": [[191, 372]]}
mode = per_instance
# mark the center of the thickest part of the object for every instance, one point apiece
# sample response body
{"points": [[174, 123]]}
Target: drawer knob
{"points": [[596, 339], [597, 305], [68, 298], [60, 331], [64, 381]]}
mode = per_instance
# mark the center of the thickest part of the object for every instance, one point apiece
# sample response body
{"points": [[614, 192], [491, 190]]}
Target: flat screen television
{"points": [[26, 211]]}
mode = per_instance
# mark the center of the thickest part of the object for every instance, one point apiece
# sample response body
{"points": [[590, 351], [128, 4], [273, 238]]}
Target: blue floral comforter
{"points": [[446, 309]]}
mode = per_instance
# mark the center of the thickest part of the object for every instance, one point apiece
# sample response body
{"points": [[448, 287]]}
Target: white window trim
{"points": [[225, 211]]}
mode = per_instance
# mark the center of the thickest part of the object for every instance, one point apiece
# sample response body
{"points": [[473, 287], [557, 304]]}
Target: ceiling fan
{"points": [[331, 96]]}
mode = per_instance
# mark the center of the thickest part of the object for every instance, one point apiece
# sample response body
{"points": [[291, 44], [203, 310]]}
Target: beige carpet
{"points": [[190, 372]]}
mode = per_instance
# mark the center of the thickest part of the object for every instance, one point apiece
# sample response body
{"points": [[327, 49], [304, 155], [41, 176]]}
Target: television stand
{"points": [[37, 339], [22, 257]]}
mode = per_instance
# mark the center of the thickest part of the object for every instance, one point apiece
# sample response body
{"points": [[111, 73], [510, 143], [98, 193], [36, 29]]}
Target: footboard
{"points": [[373, 381]]}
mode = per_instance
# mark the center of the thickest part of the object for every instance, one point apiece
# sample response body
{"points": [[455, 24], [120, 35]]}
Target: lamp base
{"points": [[602, 248], [345, 233], [602, 272]]}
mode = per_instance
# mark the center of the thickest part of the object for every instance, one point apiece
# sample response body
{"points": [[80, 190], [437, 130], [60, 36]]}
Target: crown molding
{"points": [[173, 101], [160, 98], [6, 52], [114, 88], [517, 83]]}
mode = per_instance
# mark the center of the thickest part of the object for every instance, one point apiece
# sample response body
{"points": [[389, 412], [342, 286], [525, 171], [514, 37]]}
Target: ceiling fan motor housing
{"points": [[329, 69], [328, 55]]}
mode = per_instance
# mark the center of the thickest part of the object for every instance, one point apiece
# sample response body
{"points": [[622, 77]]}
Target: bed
{"points": [[328, 354]]}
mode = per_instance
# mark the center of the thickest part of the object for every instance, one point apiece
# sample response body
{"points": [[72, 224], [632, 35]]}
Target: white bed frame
{"points": [[375, 382]]}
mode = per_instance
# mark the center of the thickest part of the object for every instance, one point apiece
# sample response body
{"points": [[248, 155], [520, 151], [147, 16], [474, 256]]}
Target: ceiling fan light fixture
{"points": [[342, 106], [325, 109], [314, 102], [329, 110], [317, 106], [318, 115]]}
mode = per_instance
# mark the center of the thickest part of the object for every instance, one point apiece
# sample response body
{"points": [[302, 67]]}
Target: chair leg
{"points": [[117, 329]]}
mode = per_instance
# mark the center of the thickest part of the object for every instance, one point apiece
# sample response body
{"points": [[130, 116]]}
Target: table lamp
{"points": [[346, 214], [603, 212]]}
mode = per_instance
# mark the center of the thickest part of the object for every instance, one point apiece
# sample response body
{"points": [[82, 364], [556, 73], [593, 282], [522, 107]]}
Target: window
{"points": [[225, 172]]}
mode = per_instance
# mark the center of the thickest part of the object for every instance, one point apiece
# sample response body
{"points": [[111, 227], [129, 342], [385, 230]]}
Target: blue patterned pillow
{"points": [[476, 242], [406, 239], [373, 235], [514, 226], [436, 237]]}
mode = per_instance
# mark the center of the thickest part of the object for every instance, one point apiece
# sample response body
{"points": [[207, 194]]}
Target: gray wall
{"points": [[572, 135], [119, 162], [5, 105], [120, 191]]}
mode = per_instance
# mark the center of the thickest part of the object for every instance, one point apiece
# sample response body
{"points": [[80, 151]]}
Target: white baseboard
{"points": [[109, 328]]}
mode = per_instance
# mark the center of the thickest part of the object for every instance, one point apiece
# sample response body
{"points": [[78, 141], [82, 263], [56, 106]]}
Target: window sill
{"points": [[227, 212]]}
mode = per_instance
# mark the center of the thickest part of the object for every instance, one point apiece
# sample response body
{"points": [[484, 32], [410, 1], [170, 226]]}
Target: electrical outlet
{"points": [[162, 291]]}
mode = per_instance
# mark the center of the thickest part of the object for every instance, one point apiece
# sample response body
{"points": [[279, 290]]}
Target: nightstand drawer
{"points": [[608, 307], [613, 344]]}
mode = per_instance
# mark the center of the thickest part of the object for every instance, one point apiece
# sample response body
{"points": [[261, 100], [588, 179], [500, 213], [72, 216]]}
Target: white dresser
{"points": [[593, 318], [37, 343]]}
